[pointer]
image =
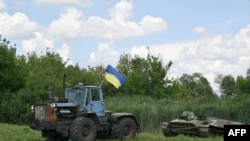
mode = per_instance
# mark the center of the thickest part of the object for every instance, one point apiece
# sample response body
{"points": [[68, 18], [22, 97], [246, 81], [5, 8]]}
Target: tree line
{"points": [[25, 79]]}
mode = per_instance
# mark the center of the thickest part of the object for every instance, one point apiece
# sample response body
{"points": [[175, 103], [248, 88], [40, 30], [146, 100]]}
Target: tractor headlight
{"points": [[53, 105], [32, 108]]}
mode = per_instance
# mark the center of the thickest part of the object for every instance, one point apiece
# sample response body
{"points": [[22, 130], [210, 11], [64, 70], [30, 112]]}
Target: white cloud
{"points": [[103, 29], [17, 26], [151, 24], [243, 36], [63, 2], [68, 26], [201, 31], [167, 52], [120, 27], [72, 24], [141, 51], [104, 55], [38, 44], [3, 6], [122, 11], [64, 53]]}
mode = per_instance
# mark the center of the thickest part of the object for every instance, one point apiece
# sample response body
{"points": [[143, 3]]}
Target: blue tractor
{"points": [[80, 115]]}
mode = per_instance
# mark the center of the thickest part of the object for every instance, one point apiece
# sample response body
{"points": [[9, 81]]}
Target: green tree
{"points": [[196, 84], [8, 71], [44, 71], [144, 76], [124, 64], [178, 91], [241, 84], [246, 88], [157, 75], [137, 77], [94, 75], [228, 86], [74, 75]]}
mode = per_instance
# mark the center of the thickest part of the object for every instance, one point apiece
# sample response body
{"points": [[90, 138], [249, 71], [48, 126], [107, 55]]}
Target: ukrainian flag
{"points": [[114, 77]]}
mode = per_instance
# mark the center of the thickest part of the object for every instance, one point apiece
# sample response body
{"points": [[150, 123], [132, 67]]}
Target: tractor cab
{"points": [[87, 98]]}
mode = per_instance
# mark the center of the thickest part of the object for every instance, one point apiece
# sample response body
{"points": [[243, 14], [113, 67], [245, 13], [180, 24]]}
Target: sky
{"points": [[211, 37]]}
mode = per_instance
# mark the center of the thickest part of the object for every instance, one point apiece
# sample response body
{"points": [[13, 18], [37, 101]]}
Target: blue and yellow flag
{"points": [[114, 77]]}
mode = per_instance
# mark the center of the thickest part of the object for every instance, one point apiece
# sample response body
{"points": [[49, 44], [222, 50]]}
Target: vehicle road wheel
{"points": [[125, 128], [83, 129], [166, 132], [204, 134]]}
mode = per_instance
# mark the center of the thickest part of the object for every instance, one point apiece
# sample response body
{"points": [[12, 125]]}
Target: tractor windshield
{"points": [[75, 95]]}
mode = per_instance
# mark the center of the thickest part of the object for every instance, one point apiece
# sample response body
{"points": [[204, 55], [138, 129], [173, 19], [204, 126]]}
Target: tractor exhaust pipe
{"points": [[64, 79]]}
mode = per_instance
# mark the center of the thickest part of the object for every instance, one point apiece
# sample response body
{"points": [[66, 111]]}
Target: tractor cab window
{"points": [[70, 95], [95, 95], [80, 95]]}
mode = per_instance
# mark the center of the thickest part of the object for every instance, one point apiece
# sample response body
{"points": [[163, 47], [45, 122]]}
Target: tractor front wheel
{"points": [[83, 129], [125, 128]]}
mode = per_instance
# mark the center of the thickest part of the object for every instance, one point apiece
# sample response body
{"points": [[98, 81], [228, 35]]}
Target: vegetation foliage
{"points": [[148, 91]]}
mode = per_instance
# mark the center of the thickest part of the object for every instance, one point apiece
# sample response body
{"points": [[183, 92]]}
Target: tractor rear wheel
{"points": [[125, 128], [83, 129]]}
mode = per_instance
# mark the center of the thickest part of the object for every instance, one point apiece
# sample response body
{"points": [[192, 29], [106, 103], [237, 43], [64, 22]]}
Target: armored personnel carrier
{"points": [[191, 124]]}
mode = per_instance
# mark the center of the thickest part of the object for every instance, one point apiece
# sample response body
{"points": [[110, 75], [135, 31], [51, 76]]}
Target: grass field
{"points": [[10, 132]]}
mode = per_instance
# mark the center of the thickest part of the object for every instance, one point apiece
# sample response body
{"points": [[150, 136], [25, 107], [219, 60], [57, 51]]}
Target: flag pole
{"points": [[101, 83], [102, 78]]}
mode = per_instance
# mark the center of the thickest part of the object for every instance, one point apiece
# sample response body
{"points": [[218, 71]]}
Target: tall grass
{"points": [[152, 112]]}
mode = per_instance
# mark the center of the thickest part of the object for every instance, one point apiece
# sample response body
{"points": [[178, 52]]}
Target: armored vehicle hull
{"points": [[190, 124]]}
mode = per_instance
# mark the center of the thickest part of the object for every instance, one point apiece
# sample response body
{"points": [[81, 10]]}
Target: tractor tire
{"points": [[123, 129], [83, 129]]}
